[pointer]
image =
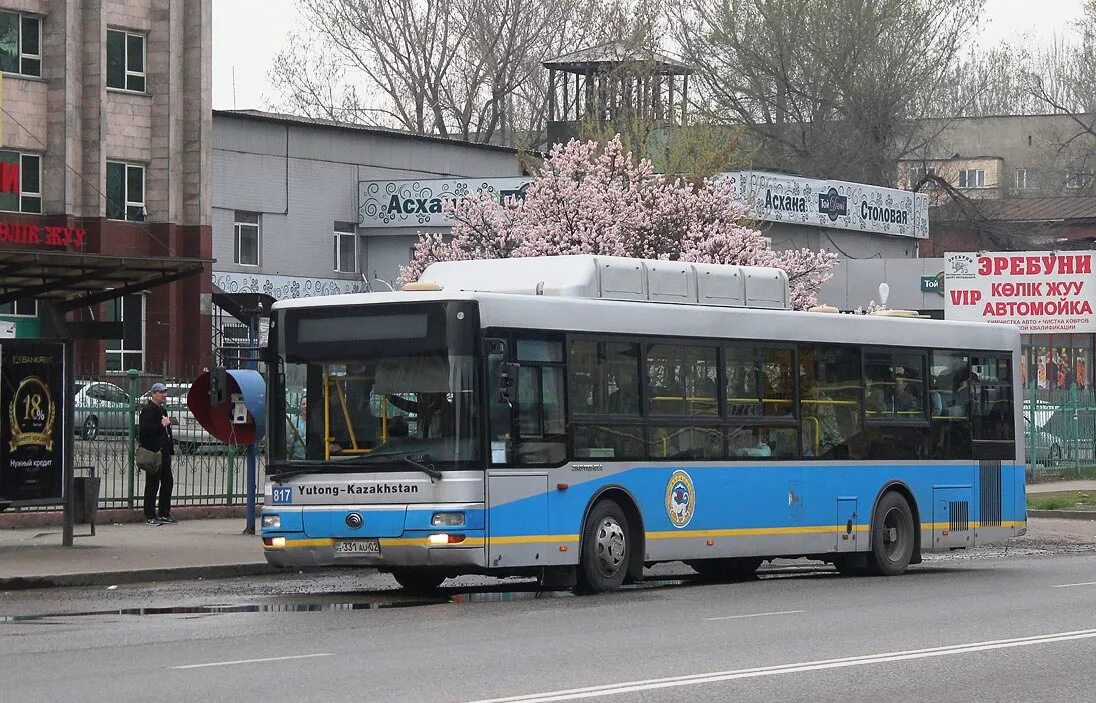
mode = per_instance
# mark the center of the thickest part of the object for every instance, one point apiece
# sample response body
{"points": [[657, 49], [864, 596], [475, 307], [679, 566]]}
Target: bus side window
{"points": [[541, 415], [950, 406]]}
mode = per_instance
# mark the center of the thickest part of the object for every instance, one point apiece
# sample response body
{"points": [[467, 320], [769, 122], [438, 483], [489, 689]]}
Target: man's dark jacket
{"points": [[151, 434]]}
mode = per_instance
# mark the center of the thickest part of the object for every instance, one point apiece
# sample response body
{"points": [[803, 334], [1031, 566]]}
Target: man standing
{"points": [[154, 434]]}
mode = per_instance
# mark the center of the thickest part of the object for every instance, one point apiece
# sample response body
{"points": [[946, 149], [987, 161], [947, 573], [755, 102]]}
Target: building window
{"points": [[27, 307], [20, 44], [125, 191], [972, 178], [245, 248], [129, 351], [346, 249], [125, 61], [1021, 179], [20, 182], [1077, 179], [919, 171]]}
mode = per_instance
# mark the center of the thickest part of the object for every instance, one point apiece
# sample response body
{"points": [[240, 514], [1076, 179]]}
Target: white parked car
{"points": [[186, 431], [101, 409], [1042, 446]]}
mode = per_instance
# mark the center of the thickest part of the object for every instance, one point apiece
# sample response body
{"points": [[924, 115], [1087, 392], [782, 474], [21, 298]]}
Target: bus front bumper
{"points": [[408, 550]]}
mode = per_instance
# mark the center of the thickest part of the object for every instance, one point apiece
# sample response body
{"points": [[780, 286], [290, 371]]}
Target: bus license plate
{"points": [[357, 548]]}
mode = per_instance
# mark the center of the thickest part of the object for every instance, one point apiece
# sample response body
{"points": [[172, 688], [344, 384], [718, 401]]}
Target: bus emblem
{"points": [[680, 501]]}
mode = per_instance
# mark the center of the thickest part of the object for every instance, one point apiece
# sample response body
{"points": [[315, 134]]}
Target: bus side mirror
{"points": [[508, 382]]}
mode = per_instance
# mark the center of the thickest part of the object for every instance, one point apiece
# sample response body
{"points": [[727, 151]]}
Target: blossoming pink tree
{"points": [[591, 198]]}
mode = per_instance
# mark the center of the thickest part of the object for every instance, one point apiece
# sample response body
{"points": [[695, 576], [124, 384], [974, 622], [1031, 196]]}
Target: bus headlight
{"points": [[272, 522], [447, 520]]}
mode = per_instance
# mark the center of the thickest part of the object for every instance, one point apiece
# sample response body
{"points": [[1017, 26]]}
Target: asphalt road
{"points": [[992, 625]]}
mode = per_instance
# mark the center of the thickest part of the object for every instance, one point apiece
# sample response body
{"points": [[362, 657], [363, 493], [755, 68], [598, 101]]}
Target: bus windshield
{"points": [[367, 398], [384, 406]]}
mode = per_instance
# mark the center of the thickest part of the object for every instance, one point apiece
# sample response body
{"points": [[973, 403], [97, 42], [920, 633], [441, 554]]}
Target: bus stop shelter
{"points": [[62, 283]]}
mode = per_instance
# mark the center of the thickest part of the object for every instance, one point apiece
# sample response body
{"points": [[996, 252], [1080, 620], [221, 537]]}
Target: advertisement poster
{"points": [[32, 400], [1039, 291]]}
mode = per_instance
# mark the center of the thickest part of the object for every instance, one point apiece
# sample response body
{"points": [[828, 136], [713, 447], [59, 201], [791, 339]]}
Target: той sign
{"points": [[41, 236], [933, 284]]}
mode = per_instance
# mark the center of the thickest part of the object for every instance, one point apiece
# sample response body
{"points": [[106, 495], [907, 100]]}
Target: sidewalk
{"points": [[1054, 486], [128, 553]]}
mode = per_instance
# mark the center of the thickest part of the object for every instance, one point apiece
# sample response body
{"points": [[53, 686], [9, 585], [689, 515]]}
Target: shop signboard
{"points": [[32, 409], [1040, 291], [422, 203], [775, 197]]}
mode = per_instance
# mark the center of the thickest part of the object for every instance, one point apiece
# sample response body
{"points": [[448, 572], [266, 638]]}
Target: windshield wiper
{"points": [[429, 470], [413, 458], [286, 475]]}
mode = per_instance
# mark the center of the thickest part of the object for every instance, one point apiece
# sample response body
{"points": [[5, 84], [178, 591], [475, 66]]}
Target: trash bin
{"points": [[85, 498]]}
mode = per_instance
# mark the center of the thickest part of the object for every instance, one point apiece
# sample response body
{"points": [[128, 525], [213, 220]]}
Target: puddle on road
{"points": [[244, 608], [488, 596]]}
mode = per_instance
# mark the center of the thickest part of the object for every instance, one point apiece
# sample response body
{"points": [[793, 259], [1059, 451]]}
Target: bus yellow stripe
{"points": [[748, 531], [533, 539], [289, 543], [676, 534]]}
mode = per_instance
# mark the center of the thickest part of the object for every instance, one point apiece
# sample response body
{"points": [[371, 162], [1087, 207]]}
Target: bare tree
{"points": [[834, 89], [468, 69]]}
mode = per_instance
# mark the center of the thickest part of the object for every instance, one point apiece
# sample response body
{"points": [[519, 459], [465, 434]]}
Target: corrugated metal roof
{"points": [[282, 118], [1050, 209]]}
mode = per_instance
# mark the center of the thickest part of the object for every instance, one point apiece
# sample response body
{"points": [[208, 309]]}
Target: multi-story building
{"points": [[1007, 156], [106, 131]]}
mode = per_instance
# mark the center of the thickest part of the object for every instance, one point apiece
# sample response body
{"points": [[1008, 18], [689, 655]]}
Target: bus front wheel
{"points": [[604, 562], [418, 580], [892, 536]]}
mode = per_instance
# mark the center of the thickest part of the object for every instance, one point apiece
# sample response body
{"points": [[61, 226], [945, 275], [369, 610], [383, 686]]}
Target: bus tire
{"points": [[736, 569], [892, 536], [418, 580], [604, 561]]}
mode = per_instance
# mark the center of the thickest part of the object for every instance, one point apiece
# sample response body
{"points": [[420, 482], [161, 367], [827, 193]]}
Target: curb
{"points": [[111, 578], [1064, 514]]}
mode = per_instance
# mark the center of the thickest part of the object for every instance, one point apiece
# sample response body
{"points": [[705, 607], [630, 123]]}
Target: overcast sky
{"points": [[248, 33]]}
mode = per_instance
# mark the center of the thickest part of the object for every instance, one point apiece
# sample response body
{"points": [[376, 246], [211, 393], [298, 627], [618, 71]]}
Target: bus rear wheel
{"points": [[604, 561], [419, 581], [737, 569], [892, 536]]}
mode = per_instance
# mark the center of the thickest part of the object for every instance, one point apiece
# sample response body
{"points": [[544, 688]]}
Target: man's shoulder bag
{"points": [[148, 460]]}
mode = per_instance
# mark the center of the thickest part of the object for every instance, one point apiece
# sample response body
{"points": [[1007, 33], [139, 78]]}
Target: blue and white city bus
{"points": [[579, 418]]}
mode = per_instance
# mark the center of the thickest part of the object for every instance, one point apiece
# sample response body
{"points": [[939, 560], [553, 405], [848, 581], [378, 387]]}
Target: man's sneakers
{"points": [[154, 521], [167, 520]]}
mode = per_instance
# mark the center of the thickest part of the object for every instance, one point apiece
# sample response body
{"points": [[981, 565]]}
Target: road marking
{"points": [[756, 615], [254, 661], [1071, 585], [719, 676]]}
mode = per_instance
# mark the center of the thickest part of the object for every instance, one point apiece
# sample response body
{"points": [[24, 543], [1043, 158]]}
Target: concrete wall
{"points": [[845, 243], [855, 283]]}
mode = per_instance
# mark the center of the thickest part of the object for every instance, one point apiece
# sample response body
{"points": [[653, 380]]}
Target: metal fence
{"points": [[205, 470], [1060, 429]]}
